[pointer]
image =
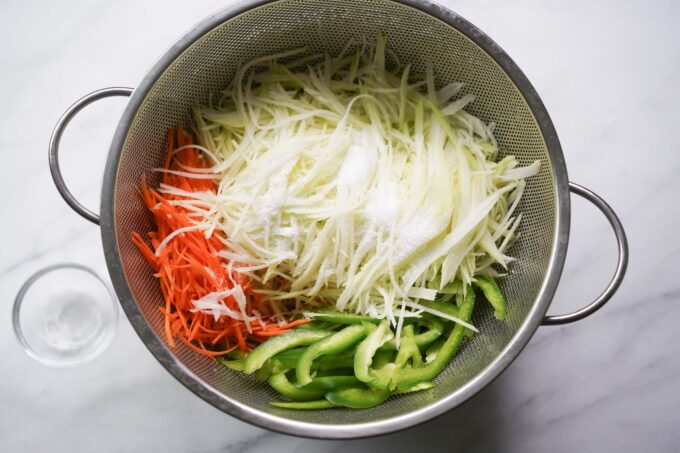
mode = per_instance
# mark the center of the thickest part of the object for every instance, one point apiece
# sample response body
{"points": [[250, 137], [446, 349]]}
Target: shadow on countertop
{"points": [[470, 427], [473, 426]]}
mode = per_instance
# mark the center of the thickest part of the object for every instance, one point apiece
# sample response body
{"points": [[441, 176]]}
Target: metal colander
{"points": [[418, 32]]}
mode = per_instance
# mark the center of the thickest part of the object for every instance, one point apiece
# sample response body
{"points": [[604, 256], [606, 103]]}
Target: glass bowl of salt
{"points": [[65, 315]]}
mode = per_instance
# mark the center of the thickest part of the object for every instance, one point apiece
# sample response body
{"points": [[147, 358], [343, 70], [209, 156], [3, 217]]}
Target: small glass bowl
{"points": [[65, 315]]}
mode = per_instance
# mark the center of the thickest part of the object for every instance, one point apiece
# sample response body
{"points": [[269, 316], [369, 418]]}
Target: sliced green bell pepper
{"points": [[327, 383], [344, 359], [343, 318], [236, 365], [382, 358], [357, 397], [398, 377], [408, 349], [303, 405], [367, 348], [281, 384], [333, 344], [432, 351], [407, 377], [275, 345], [289, 359], [435, 327], [447, 308], [493, 294]]}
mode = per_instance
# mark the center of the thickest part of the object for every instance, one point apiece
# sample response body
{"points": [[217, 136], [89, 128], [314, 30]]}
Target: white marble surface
{"points": [[609, 73]]}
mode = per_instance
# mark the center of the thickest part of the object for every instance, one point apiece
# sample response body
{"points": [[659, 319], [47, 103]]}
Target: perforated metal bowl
{"points": [[205, 59]]}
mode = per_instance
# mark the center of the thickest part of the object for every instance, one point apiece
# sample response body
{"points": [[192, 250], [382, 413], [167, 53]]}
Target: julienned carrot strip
{"points": [[240, 338], [222, 334], [188, 268], [270, 333], [295, 323], [204, 351], [146, 251], [198, 318]]}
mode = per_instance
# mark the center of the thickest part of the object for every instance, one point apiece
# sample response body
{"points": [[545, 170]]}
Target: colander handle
{"points": [[56, 138], [621, 264]]}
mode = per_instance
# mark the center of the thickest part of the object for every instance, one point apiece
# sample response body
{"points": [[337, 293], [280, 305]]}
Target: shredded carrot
{"points": [[271, 333], [188, 268]]}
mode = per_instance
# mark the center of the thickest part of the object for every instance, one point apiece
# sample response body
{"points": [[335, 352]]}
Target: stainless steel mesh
{"points": [[321, 25]]}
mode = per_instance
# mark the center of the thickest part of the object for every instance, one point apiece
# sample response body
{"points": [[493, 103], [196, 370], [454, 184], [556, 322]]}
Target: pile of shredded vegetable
{"points": [[191, 273], [328, 182]]}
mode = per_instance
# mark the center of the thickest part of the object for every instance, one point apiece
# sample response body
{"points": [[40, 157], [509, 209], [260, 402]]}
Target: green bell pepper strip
{"points": [[338, 342], [383, 377], [416, 356], [341, 317], [289, 359], [444, 298], [348, 371], [493, 294], [344, 359], [445, 307], [433, 350], [408, 350], [357, 397], [319, 325], [452, 287], [382, 358], [236, 365], [434, 331], [328, 383], [460, 298], [275, 345], [281, 384], [265, 373], [236, 354], [407, 377], [303, 405], [335, 326], [397, 377], [406, 345], [277, 364], [313, 325], [367, 348], [289, 354]]}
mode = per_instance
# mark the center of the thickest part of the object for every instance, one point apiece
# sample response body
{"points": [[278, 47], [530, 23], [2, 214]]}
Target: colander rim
{"points": [[344, 431]]}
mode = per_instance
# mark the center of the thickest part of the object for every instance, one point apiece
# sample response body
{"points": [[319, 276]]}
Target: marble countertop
{"points": [[609, 74]]}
